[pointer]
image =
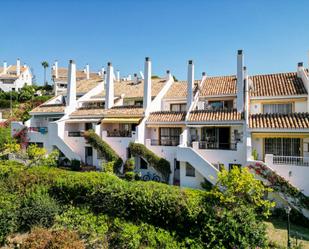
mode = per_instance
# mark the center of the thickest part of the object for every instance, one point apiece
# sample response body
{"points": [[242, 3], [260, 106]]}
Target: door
{"points": [[176, 172], [88, 156], [224, 138]]}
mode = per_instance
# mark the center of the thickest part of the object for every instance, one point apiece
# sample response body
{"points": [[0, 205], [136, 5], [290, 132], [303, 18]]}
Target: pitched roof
{"points": [[132, 90], [219, 85], [179, 89], [279, 121], [215, 115], [279, 84], [52, 108], [117, 111], [166, 116]]}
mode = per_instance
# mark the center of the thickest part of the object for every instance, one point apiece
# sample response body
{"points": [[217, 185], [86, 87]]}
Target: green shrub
{"points": [[4, 103], [37, 209], [158, 163], [8, 214], [108, 167], [129, 165], [109, 154], [130, 176]]}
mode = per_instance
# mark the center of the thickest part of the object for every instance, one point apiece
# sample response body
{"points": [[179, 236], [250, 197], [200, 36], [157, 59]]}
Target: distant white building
{"points": [[14, 77]]}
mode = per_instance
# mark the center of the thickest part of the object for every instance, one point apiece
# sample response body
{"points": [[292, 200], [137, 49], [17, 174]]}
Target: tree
{"points": [[238, 187], [45, 65]]}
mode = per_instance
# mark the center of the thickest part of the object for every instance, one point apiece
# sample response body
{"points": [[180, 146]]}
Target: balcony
{"points": [[75, 134], [42, 130], [119, 133], [291, 160], [164, 142], [205, 145]]}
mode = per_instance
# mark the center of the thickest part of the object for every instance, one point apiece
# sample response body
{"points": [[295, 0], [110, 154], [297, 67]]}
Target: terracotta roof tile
{"points": [[166, 116], [117, 111], [219, 85], [49, 109], [214, 115], [131, 90], [179, 89], [279, 121], [277, 85]]}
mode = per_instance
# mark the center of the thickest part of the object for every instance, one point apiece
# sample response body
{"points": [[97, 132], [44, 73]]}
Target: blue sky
{"points": [[274, 34]]}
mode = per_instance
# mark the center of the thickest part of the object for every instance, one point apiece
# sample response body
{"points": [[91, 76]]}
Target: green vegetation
{"points": [[108, 153], [97, 208], [158, 163], [45, 65]]}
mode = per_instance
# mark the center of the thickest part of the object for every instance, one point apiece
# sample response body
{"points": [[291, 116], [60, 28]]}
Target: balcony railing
{"points": [[42, 130], [217, 146], [291, 160], [164, 142], [75, 134], [119, 133]]}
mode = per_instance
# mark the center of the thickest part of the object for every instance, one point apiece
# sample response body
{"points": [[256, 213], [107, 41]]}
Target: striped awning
{"points": [[121, 120]]}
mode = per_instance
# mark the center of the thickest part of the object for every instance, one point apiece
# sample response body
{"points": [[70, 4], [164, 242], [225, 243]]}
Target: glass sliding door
{"points": [[283, 146]]}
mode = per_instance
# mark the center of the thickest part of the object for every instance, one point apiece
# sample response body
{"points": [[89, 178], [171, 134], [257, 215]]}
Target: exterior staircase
{"points": [[57, 140], [282, 187], [205, 168]]}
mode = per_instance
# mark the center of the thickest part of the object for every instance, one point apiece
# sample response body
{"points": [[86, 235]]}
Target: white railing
{"points": [[291, 160]]}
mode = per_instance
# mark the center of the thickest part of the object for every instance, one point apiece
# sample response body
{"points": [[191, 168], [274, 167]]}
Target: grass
{"points": [[277, 234]]}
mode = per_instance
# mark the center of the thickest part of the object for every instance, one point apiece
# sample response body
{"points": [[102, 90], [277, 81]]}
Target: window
{"points": [[169, 136], [138, 102], [221, 104], [190, 171], [278, 108], [178, 107], [283, 146], [88, 126]]}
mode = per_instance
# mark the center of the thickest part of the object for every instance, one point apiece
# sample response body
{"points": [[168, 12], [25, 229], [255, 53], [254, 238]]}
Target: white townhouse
{"points": [[14, 77], [199, 125]]}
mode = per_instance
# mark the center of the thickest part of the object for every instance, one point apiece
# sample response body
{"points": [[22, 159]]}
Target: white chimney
{"points": [[135, 79], [5, 67], [71, 91], [141, 74], [168, 75], [247, 100], [147, 84], [240, 81], [87, 72], [102, 71], [118, 75], [109, 96], [301, 73], [18, 67], [129, 77], [190, 84], [56, 69]]}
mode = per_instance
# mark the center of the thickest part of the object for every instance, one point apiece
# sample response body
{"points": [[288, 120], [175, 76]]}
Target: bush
{"points": [[41, 238], [109, 154], [158, 163], [130, 176], [108, 167], [129, 165], [4, 103], [37, 209]]}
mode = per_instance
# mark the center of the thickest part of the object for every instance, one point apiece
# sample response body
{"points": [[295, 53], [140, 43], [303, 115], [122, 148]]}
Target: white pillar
{"points": [[301, 73], [118, 76], [56, 69], [190, 84], [240, 81], [5, 67], [147, 84], [71, 91], [18, 67], [87, 72], [109, 96], [168, 75]]}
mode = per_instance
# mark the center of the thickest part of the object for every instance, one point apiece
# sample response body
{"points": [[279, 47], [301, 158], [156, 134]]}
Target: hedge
{"points": [[158, 163], [109, 154]]}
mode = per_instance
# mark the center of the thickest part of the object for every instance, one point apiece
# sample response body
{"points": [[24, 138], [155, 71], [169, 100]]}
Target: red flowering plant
{"points": [[22, 137], [278, 183]]}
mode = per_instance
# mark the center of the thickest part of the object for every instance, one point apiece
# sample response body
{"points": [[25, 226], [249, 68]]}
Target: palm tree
{"points": [[45, 65]]}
